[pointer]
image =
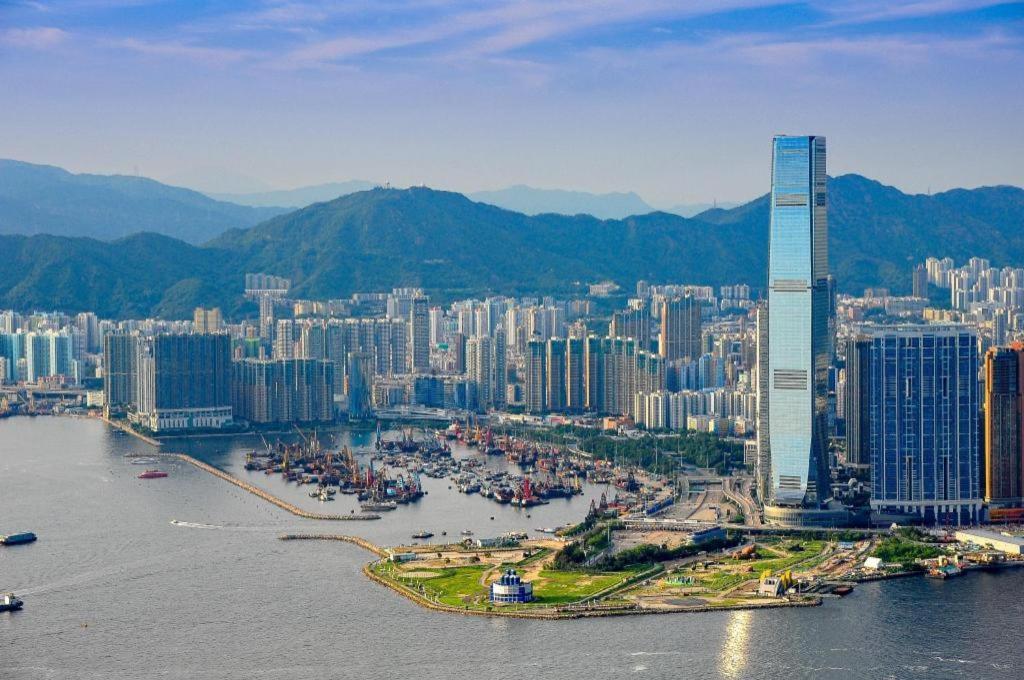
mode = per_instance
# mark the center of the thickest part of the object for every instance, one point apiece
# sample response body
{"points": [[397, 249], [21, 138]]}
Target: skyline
{"points": [[637, 97]]}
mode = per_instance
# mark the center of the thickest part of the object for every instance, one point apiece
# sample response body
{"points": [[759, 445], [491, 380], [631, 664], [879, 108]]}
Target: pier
{"points": [[270, 498]]}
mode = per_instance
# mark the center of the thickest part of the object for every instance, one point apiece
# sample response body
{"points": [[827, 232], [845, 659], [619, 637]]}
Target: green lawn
{"points": [[460, 586], [457, 586], [563, 587]]}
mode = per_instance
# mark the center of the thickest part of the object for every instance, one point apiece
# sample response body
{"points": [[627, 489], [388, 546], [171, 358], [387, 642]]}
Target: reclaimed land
{"points": [[454, 579]]}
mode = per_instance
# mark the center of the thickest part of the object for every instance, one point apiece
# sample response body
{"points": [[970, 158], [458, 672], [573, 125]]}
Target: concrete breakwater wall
{"points": [[354, 540], [256, 491]]}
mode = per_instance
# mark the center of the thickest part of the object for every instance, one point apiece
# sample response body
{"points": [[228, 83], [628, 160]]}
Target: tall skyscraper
{"points": [[536, 377], [680, 332], [575, 382], [556, 372], [924, 422], [799, 345], [480, 369], [120, 353], [359, 384], [419, 321], [919, 284], [858, 400], [1004, 426], [764, 459]]}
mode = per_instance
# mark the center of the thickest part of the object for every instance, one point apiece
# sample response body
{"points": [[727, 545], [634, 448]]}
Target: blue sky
{"points": [[675, 100]]}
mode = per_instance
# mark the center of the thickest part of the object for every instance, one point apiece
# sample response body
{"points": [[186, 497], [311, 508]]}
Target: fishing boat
{"points": [[423, 534], [9, 602], [17, 539], [379, 506]]}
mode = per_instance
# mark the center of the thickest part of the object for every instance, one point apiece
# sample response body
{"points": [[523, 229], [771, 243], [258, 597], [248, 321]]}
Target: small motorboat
{"points": [[10, 603], [466, 532]]}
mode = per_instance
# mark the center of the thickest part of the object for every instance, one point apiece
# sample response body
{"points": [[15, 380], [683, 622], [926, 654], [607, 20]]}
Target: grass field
{"points": [[563, 587], [460, 586]]}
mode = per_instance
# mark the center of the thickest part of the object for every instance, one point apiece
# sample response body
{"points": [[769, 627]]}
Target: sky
{"points": [[674, 99]]}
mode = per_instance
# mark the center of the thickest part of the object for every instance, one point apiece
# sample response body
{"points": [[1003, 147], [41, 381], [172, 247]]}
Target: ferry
{"points": [[10, 603], [153, 474], [17, 539]]}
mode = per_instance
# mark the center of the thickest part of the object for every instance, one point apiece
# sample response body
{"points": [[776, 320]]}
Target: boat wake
{"points": [[196, 525]]}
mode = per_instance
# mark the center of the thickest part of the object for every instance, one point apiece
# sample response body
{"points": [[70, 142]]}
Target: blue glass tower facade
{"points": [[799, 339], [923, 422]]}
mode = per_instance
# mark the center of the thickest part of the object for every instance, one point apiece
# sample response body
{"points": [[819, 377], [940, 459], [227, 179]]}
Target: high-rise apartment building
{"points": [[919, 281], [120, 356], [575, 380], [924, 422], [283, 390], [1004, 426], [680, 334], [359, 384], [419, 337], [555, 395], [207, 320], [536, 377], [799, 345], [185, 383], [480, 369]]}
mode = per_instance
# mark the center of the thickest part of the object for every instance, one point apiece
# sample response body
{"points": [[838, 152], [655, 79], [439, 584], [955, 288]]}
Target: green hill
{"points": [[452, 246]]}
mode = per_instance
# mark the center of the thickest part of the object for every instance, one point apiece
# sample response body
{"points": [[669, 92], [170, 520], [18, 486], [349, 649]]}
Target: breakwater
{"points": [[265, 495]]}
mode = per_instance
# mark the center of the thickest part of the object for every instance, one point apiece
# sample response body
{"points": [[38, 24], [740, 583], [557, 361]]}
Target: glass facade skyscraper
{"points": [[799, 336], [923, 431]]}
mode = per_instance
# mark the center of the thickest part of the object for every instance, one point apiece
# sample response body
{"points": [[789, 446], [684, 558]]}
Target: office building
{"points": [[1004, 426], [799, 346]]}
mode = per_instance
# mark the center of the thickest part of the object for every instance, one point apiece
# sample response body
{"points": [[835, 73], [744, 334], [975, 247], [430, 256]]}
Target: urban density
{"points": [[499, 339]]}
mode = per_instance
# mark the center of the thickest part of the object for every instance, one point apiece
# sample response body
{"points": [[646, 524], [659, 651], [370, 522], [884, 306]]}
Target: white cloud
{"points": [[36, 38]]}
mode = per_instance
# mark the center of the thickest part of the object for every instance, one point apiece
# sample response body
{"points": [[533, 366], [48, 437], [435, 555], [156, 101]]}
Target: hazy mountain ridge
{"points": [[43, 199], [533, 201], [298, 197]]}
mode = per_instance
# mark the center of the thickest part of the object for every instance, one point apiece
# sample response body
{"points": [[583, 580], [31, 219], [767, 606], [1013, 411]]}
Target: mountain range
{"points": [[43, 199], [519, 198], [453, 246]]}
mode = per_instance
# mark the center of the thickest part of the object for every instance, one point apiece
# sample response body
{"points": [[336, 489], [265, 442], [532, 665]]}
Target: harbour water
{"points": [[113, 589]]}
